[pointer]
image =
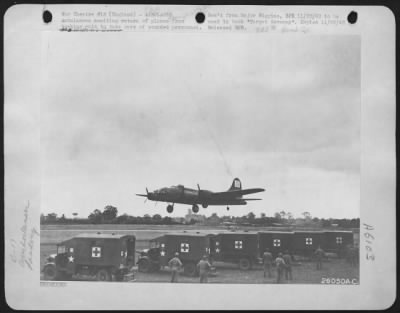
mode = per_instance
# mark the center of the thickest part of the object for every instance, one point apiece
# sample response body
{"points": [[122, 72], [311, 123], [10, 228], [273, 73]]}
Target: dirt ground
{"points": [[304, 272]]}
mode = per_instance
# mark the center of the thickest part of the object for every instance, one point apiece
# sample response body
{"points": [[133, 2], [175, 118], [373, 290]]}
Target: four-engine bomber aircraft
{"points": [[180, 194]]}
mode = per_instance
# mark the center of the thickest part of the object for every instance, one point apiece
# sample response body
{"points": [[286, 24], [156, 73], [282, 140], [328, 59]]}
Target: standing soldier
{"points": [[288, 268], [204, 267], [353, 256], [175, 264], [319, 253], [280, 265], [267, 260]]}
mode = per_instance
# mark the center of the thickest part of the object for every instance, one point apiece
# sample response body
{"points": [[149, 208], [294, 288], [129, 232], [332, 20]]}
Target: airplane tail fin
{"points": [[236, 185]]}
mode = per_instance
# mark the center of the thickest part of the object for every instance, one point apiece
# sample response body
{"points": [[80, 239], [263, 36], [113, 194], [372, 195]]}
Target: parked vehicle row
{"points": [[243, 248], [108, 255]]}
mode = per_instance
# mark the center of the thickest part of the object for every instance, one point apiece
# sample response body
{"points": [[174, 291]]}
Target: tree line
{"points": [[109, 215]]}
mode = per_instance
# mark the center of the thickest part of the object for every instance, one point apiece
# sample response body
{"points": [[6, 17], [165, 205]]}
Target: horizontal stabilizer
{"points": [[250, 199], [237, 193]]}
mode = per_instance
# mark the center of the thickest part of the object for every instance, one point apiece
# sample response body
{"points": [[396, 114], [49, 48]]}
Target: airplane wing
{"points": [[236, 193]]}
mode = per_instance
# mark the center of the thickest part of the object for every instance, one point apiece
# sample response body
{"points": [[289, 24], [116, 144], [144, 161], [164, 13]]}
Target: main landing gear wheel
{"points": [[227, 208], [170, 208], [195, 208], [204, 205]]}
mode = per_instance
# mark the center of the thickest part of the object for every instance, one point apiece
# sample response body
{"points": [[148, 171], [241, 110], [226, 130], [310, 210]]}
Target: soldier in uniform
{"points": [[288, 265], [353, 256], [267, 260], [319, 253], [280, 266], [175, 264], [204, 267]]}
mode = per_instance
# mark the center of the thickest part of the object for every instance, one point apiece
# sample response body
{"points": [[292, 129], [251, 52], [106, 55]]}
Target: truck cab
{"points": [[99, 255]]}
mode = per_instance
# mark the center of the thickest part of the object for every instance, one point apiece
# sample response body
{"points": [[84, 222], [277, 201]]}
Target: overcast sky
{"points": [[124, 111]]}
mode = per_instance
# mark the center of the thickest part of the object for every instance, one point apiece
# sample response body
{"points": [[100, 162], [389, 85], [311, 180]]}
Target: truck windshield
{"points": [[60, 249], [154, 244]]}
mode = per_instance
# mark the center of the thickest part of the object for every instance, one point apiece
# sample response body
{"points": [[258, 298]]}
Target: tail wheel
{"points": [[189, 269], [195, 208], [170, 208], [50, 272], [244, 264], [144, 266], [204, 205], [227, 208], [103, 275]]}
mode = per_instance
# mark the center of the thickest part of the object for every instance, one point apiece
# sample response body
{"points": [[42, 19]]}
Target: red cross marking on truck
{"points": [[96, 252]]}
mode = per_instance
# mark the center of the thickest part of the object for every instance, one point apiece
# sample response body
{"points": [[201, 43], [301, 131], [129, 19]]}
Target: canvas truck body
{"points": [[190, 246], [236, 247], [306, 242], [97, 254], [275, 241], [338, 242]]}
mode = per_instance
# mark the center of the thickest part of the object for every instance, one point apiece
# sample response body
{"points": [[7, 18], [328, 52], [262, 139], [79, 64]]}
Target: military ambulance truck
{"points": [[190, 246], [236, 247], [306, 242], [338, 242], [93, 254], [275, 241]]}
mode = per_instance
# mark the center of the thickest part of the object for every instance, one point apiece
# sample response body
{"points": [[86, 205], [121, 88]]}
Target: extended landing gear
{"points": [[195, 208], [170, 208], [204, 205], [227, 208]]}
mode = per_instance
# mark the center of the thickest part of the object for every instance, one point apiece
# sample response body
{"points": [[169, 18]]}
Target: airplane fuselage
{"points": [[180, 194]]}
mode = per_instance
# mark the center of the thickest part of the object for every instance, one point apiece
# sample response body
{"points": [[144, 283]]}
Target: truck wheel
{"points": [[244, 264], [103, 275], [144, 266], [189, 269], [50, 272]]}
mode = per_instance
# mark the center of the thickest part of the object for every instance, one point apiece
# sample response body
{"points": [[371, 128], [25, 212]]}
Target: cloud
{"points": [[134, 115]]}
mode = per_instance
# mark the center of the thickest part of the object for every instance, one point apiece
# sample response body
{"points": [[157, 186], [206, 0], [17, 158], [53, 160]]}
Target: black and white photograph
{"points": [[197, 154], [144, 149]]}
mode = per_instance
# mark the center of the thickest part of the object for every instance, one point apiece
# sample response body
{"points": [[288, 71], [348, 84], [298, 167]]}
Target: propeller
{"points": [[146, 195]]}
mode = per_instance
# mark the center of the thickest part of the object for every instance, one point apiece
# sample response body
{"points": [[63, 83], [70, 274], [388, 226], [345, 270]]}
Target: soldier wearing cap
{"points": [[204, 268], [280, 266], [175, 264], [288, 265], [267, 261]]}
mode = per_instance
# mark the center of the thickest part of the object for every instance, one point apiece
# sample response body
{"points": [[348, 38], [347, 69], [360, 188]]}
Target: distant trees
{"points": [[96, 217], [282, 218], [51, 217], [251, 217], [110, 212]]}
